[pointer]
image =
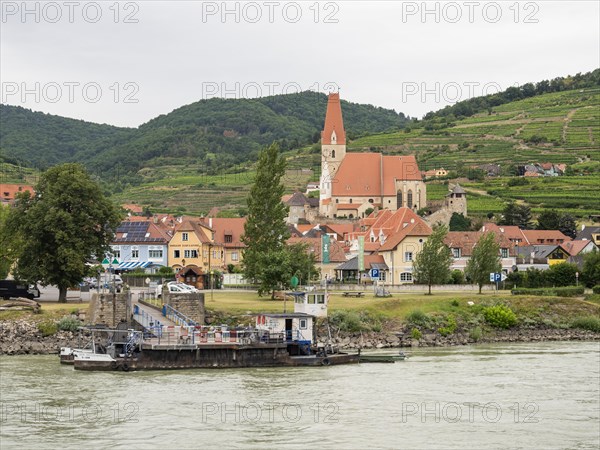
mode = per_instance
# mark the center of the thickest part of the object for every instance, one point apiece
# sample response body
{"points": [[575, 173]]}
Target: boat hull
{"points": [[213, 358]]}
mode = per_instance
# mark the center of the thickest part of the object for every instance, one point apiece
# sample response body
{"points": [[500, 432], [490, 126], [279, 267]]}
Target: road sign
{"points": [[492, 277], [503, 276], [497, 277], [374, 274]]}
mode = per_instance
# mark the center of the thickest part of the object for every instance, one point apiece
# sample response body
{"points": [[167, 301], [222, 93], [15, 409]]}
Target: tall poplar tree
{"points": [[485, 259], [65, 224], [266, 259], [432, 264]]}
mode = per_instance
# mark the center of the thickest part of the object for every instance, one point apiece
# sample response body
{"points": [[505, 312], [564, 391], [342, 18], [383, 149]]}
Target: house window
{"points": [[381, 275], [228, 238], [370, 200], [116, 253], [184, 236], [155, 254], [234, 256], [135, 253], [409, 199], [176, 254], [408, 256], [456, 252], [398, 200], [214, 254], [406, 276], [350, 200], [504, 252], [303, 324], [190, 253]]}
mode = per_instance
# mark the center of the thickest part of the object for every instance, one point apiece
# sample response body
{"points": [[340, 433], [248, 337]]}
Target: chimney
{"points": [[210, 222]]}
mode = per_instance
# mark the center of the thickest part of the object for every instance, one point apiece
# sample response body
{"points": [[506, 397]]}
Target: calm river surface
{"points": [[532, 396]]}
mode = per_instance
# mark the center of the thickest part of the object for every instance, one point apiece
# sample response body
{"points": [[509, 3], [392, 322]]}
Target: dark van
{"points": [[13, 289]]}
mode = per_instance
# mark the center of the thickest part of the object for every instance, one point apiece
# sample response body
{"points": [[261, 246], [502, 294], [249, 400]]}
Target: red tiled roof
{"points": [[336, 250], [8, 191], [222, 227], [365, 174], [333, 121], [136, 209], [350, 206], [466, 240], [548, 236], [573, 248]]}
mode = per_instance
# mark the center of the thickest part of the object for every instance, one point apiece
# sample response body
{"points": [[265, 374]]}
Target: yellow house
{"points": [[193, 252], [400, 250]]}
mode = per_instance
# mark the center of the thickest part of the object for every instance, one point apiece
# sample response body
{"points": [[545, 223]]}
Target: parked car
{"points": [[14, 289], [106, 281], [176, 288]]}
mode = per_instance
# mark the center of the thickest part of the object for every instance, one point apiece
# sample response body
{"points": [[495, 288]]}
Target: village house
{"points": [[140, 245], [8, 192], [588, 233], [194, 254], [540, 256], [302, 209], [337, 255], [395, 237], [352, 183], [520, 237], [228, 232], [462, 243]]}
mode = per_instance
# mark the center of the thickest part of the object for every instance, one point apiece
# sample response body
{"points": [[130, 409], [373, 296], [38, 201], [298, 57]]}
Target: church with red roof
{"points": [[351, 183]]}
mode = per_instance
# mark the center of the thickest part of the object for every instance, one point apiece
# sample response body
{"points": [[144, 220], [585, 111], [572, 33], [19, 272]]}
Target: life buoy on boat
{"points": [[125, 367], [325, 362]]}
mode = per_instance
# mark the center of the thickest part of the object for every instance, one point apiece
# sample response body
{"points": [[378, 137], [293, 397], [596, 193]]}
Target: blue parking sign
{"points": [[375, 274]]}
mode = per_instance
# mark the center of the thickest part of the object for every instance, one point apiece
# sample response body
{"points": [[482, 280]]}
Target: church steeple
{"points": [[333, 132], [333, 149]]}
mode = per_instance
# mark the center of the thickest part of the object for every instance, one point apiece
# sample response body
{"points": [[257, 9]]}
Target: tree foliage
{"points": [[517, 215], [554, 220], [590, 274], [459, 222], [64, 225], [265, 232], [484, 260], [432, 263]]}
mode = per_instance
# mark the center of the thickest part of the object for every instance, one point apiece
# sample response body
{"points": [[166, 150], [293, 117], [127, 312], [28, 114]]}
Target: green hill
{"points": [[216, 134]]}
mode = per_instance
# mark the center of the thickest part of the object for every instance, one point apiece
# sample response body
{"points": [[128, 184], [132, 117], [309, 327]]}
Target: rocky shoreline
{"points": [[20, 337], [403, 339]]}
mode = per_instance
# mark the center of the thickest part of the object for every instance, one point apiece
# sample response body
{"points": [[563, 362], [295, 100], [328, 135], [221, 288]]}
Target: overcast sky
{"points": [[128, 63]]}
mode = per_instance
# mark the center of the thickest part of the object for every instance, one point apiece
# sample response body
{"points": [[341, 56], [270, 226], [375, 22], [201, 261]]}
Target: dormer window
{"points": [[228, 238], [333, 137]]}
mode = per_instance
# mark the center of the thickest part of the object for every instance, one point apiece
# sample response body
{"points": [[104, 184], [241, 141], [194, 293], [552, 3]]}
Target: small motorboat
{"points": [[382, 357]]}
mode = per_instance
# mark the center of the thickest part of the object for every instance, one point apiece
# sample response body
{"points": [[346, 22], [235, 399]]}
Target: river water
{"points": [[529, 396]]}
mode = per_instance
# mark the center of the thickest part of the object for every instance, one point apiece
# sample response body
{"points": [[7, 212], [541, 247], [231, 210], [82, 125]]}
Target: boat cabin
{"points": [[313, 303], [295, 327]]}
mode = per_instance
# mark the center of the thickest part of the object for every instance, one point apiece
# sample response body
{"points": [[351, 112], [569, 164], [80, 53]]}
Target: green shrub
{"points": [[476, 334], [417, 317], [416, 334], [450, 327], [346, 321], [68, 324], [500, 316], [591, 323], [567, 291], [454, 303], [47, 328], [596, 289]]}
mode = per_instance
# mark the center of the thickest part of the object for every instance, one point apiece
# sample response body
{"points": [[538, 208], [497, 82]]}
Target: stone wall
{"points": [[109, 309], [190, 305]]}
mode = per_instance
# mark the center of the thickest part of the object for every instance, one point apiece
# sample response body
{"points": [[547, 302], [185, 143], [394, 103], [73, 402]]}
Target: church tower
{"points": [[333, 149]]}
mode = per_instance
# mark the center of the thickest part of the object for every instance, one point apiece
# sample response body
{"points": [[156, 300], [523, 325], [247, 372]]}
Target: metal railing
{"points": [[152, 326], [177, 317]]}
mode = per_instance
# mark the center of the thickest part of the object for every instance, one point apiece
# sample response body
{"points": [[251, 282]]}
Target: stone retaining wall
{"points": [[110, 309], [190, 305]]}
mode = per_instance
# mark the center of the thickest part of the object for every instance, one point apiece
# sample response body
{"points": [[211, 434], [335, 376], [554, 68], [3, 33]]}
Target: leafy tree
{"points": [[265, 231], [548, 220], [432, 264], [301, 263], [515, 214], [459, 222], [8, 244], [567, 225], [590, 274], [64, 225], [562, 274], [484, 260], [554, 220]]}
